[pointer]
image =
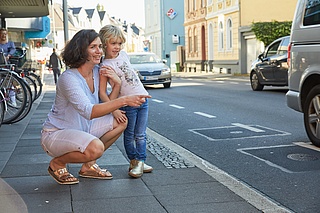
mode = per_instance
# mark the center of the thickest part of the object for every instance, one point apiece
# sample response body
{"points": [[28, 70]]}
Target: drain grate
{"points": [[302, 157], [166, 156]]}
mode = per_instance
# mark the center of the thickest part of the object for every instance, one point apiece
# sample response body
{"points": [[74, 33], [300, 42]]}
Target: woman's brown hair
{"points": [[75, 52]]}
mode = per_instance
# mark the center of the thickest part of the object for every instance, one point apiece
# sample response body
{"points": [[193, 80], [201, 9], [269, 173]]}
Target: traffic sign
{"points": [[171, 13]]}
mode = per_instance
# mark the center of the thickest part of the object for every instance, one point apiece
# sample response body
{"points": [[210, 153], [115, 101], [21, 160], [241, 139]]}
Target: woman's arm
{"points": [[102, 109]]}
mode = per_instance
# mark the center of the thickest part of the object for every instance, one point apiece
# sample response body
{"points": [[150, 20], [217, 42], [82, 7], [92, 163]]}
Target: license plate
{"points": [[146, 78]]}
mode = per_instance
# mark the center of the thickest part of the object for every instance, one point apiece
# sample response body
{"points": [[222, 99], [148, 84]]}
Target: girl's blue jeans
{"points": [[134, 136]]}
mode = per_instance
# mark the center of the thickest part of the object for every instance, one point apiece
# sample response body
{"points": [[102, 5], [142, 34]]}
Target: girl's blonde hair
{"points": [[110, 32]]}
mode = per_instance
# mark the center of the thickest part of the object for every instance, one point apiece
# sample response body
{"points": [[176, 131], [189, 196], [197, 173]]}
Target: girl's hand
{"points": [[120, 116], [112, 76]]}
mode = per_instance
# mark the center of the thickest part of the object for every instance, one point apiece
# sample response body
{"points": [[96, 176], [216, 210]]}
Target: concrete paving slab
{"points": [[141, 204], [164, 177], [104, 189]]}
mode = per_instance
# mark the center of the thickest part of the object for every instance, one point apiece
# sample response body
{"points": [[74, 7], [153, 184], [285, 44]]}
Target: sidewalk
{"points": [[180, 182]]}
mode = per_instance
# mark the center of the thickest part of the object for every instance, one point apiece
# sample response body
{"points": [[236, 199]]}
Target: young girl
{"points": [[135, 144]]}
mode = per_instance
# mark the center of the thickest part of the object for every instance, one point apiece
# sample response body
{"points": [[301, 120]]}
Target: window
{"points": [[220, 36], [312, 13], [202, 3], [283, 49], [229, 34], [195, 40], [272, 50], [190, 41]]}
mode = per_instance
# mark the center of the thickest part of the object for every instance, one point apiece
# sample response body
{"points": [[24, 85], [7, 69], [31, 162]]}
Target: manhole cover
{"points": [[302, 157]]}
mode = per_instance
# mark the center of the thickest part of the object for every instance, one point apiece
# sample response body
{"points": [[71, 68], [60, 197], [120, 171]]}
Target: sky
{"points": [[130, 10]]}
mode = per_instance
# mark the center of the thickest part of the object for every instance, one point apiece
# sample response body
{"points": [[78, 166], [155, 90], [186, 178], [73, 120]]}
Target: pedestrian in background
{"points": [[7, 47], [79, 129], [134, 138], [55, 64]]}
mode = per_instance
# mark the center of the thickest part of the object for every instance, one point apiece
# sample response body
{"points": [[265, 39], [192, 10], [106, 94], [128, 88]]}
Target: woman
{"points": [[79, 128]]}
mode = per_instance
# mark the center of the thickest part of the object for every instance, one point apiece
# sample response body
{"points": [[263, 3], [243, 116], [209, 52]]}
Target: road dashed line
{"points": [[176, 106], [205, 115], [181, 107], [156, 100]]}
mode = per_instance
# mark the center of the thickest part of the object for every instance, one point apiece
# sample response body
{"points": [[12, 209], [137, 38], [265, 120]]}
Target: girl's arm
{"points": [[108, 74], [103, 88]]}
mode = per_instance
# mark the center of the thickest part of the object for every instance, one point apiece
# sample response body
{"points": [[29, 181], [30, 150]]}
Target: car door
{"points": [[281, 70], [268, 64]]}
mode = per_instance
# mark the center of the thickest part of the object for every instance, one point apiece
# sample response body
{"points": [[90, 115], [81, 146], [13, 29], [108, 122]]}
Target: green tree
{"points": [[269, 31]]}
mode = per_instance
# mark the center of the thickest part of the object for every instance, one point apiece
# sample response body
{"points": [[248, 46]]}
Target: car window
{"points": [[141, 59], [312, 13], [272, 50], [283, 49]]}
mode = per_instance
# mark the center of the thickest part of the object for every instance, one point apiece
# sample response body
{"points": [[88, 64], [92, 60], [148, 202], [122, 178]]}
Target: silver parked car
{"points": [[304, 66], [151, 69]]}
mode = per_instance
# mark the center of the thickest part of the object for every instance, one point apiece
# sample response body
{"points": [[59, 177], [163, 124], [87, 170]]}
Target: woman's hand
{"points": [[120, 116], [135, 100]]}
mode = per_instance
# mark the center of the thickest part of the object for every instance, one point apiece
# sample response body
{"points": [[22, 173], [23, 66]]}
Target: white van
{"points": [[304, 66]]}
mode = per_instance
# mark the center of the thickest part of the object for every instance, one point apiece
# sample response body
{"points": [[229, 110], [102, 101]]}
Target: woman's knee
{"points": [[122, 125], [95, 149]]}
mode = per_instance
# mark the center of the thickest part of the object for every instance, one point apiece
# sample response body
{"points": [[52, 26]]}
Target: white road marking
{"points": [[176, 106], [248, 127], [232, 82], [235, 125], [205, 115], [243, 151], [156, 100], [308, 145], [251, 195]]}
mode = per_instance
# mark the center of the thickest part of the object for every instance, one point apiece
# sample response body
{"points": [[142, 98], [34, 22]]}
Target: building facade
{"points": [[164, 31], [223, 24], [195, 25], [268, 11], [218, 33]]}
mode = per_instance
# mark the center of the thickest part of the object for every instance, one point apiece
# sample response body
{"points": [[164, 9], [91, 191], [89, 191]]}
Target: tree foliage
{"points": [[269, 31]]}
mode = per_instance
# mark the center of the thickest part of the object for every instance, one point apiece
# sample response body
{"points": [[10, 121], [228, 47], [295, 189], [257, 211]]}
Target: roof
{"points": [[89, 12], [23, 8]]}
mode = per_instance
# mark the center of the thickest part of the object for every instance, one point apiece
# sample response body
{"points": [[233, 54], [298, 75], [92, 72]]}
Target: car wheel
{"points": [[311, 114], [167, 85], [255, 84]]}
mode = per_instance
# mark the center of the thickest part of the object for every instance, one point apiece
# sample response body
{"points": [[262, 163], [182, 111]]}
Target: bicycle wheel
{"points": [[28, 106], [32, 85], [38, 82], [15, 94], [2, 107]]}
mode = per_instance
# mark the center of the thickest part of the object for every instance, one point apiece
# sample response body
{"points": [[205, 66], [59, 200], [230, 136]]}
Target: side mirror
{"points": [[260, 56]]}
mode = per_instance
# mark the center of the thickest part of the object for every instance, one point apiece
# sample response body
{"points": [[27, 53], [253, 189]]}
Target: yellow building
{"points": [[218, 36], [259, 11], [223, 24]]}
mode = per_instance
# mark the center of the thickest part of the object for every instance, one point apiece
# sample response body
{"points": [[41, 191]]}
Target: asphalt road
{"points": [[252, 136]]}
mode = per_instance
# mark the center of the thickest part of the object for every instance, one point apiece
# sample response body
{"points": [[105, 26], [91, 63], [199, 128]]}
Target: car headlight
{"points": [[165, 70], [136, 71]]}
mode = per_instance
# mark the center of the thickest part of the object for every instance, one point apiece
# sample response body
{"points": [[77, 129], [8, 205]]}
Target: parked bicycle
{"points": [[20, 88]]}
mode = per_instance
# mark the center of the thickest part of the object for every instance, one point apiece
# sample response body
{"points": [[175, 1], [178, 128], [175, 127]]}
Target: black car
{"points": [[271, 68]]}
